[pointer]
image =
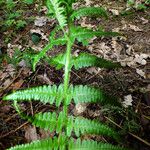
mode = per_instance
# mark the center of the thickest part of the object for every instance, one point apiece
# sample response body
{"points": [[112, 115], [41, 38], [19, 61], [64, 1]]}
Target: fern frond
{"points": [[58, 61], [49, 121], [47, 144], [84, 35], [84, 126], [85, 94], [42, 53], [81, 61], [54, 94], [89, 11], [58, 11], [87, 60], [91, 145], [45, 94]]}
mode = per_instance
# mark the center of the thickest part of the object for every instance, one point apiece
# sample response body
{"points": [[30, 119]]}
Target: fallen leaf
{"points": [[80, 108], [127, 101], [31, 134], [141, 73], [40, 21], [135, 28]]}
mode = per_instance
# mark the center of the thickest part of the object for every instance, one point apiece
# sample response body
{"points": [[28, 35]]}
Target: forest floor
{"points": [[131, 83]]}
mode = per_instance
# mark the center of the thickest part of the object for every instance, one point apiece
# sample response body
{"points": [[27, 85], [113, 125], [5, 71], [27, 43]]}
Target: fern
{"points": [[55, 8], [62, 144], [84, 35], [53, 94], [47, 144], [91, 145], [64, 125], [90, 11], [81, 61]]}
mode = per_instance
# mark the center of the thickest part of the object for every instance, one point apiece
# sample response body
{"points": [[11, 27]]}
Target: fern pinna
{"points": [[64, 124]]}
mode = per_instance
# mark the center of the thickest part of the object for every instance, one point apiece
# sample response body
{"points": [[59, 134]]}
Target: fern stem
{"points": [[67, 67]]}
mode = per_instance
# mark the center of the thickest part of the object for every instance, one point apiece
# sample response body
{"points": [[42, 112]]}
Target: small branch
{"points": [[135, 136]]}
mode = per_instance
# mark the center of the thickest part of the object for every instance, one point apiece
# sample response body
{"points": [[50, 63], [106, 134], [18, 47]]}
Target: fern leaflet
{"points": [[89, 11], [91, 145], [84, 35], [58, 11], [54, 94], [46, 144], [87, 60]]}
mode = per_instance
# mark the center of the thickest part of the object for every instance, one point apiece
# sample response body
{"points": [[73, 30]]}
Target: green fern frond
{"points": [[81, 61], [58, 11], [89, 11], [42, 53], [58, 61], [87, 60], [84, 126], [45, 94], [84, 35], [49, 121], [85, 94], [47, 144], [54, 94], [91, 145]]}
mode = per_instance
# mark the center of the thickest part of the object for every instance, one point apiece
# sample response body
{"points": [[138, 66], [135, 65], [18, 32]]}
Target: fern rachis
{"points": [[65, 93]]}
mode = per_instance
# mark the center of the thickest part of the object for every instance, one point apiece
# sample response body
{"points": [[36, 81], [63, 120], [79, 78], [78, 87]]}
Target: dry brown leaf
{"points": [[17, 84], [31, 134]]}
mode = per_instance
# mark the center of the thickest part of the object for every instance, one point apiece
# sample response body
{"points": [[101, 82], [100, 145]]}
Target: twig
{"points": [[135, 136], [13, 131]]}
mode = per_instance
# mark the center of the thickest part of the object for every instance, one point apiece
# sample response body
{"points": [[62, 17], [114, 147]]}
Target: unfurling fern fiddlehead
{"points": [[64, 124]]}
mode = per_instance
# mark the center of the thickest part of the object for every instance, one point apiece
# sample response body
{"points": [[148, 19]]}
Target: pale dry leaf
{"points": [[31, 134], [93, 70], [80, 108], [127, 101], [40, 21], [135, 28], [114, 12], [144, 21], [141, 73]]}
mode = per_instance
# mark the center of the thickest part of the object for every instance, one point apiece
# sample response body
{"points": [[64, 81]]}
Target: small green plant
{"points": [[64, 124], [143, 5]]}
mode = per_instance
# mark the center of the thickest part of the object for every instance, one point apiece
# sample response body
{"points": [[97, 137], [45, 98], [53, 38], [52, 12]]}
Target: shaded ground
{"points": [[132, 79]]}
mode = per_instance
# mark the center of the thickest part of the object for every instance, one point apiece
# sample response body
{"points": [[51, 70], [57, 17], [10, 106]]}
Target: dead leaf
{"points": [[141, 73], [135, 28], [114, 12], [127, 101], [31, 134], [40, 21], [80, 108], [17, 84]]}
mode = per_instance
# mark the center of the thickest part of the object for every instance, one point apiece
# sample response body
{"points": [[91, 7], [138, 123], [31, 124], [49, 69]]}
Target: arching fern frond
{"points": [[49, 121], [54, 94], [83, 126], [40, 55], [85, 94], [81, 61], [87, 60], [45, 94], [47, 144], [84, 35], [89, 11], [91, 145], [58, 11]]}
